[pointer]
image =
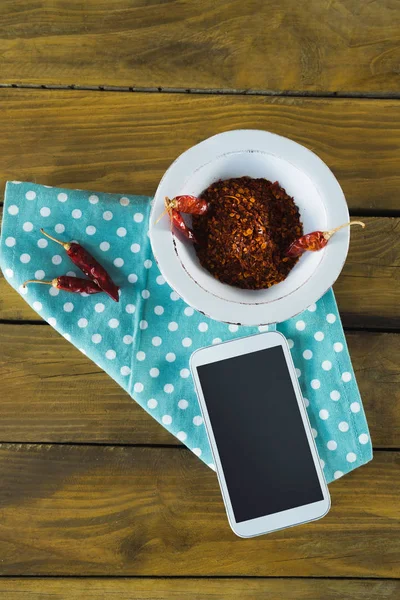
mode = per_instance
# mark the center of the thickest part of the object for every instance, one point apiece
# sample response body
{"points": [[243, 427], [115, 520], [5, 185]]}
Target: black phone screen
{"points": [[259, 433]]}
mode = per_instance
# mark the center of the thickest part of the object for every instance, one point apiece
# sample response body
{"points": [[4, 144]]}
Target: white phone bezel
{"points": [[286, 518]]}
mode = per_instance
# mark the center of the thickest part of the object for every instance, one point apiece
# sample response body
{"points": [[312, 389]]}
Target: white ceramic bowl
{"points": [[304, 176]]}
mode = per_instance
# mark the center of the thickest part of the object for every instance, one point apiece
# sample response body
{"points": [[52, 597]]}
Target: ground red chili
{"points": [[245, 233]]}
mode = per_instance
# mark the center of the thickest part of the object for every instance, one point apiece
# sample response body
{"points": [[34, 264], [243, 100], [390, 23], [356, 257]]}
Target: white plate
{"points": [[316, 192]]}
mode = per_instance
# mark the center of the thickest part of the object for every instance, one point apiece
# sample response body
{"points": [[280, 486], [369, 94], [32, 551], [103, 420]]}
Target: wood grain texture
{"points": [[197, 589], [67, 510], [367, 291], [312, 46], [123, 142], [51, 392]]}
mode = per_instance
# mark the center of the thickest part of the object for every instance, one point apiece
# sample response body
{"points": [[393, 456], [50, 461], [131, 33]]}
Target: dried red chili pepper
{"points": [[187, 204], [70, 284], [178, 222], [190, 205], [88, 265], [316, 240]]}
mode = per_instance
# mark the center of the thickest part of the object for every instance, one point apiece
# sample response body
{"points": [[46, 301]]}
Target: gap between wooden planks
{"points": [[120, 142], [198, 589], [341, 46], [73, 510], [51, 392], [367, 291]]}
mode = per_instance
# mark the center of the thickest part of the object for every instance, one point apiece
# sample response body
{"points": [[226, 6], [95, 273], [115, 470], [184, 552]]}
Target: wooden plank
{"points": [[123, 142], [89, 510], [341, 46], [367, 291], [51, 392], [197, 589]]}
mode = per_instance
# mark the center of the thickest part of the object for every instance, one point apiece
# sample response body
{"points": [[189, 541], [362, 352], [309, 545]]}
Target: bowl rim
{"points": [[252, 314]]}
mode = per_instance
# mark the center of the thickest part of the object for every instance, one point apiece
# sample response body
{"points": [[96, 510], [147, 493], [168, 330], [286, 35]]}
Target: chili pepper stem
{"points": [[53, 282], [168, 205], [65, 245], [161, 216], [329, 234]]}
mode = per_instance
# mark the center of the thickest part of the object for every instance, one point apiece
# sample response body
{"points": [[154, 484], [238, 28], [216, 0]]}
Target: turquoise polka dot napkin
{"points": [[145, 341]]}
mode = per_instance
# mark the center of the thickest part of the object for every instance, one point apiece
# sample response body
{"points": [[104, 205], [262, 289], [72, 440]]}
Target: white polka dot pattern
{"points": [[45, 211], [145, 341], [13, 210], [27, 226]]}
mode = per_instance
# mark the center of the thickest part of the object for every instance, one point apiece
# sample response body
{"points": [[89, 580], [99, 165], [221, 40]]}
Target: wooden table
{"points": [[96, 499]]}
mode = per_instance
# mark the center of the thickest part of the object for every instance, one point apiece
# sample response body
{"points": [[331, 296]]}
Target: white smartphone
{"points": [[260, 436]]}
